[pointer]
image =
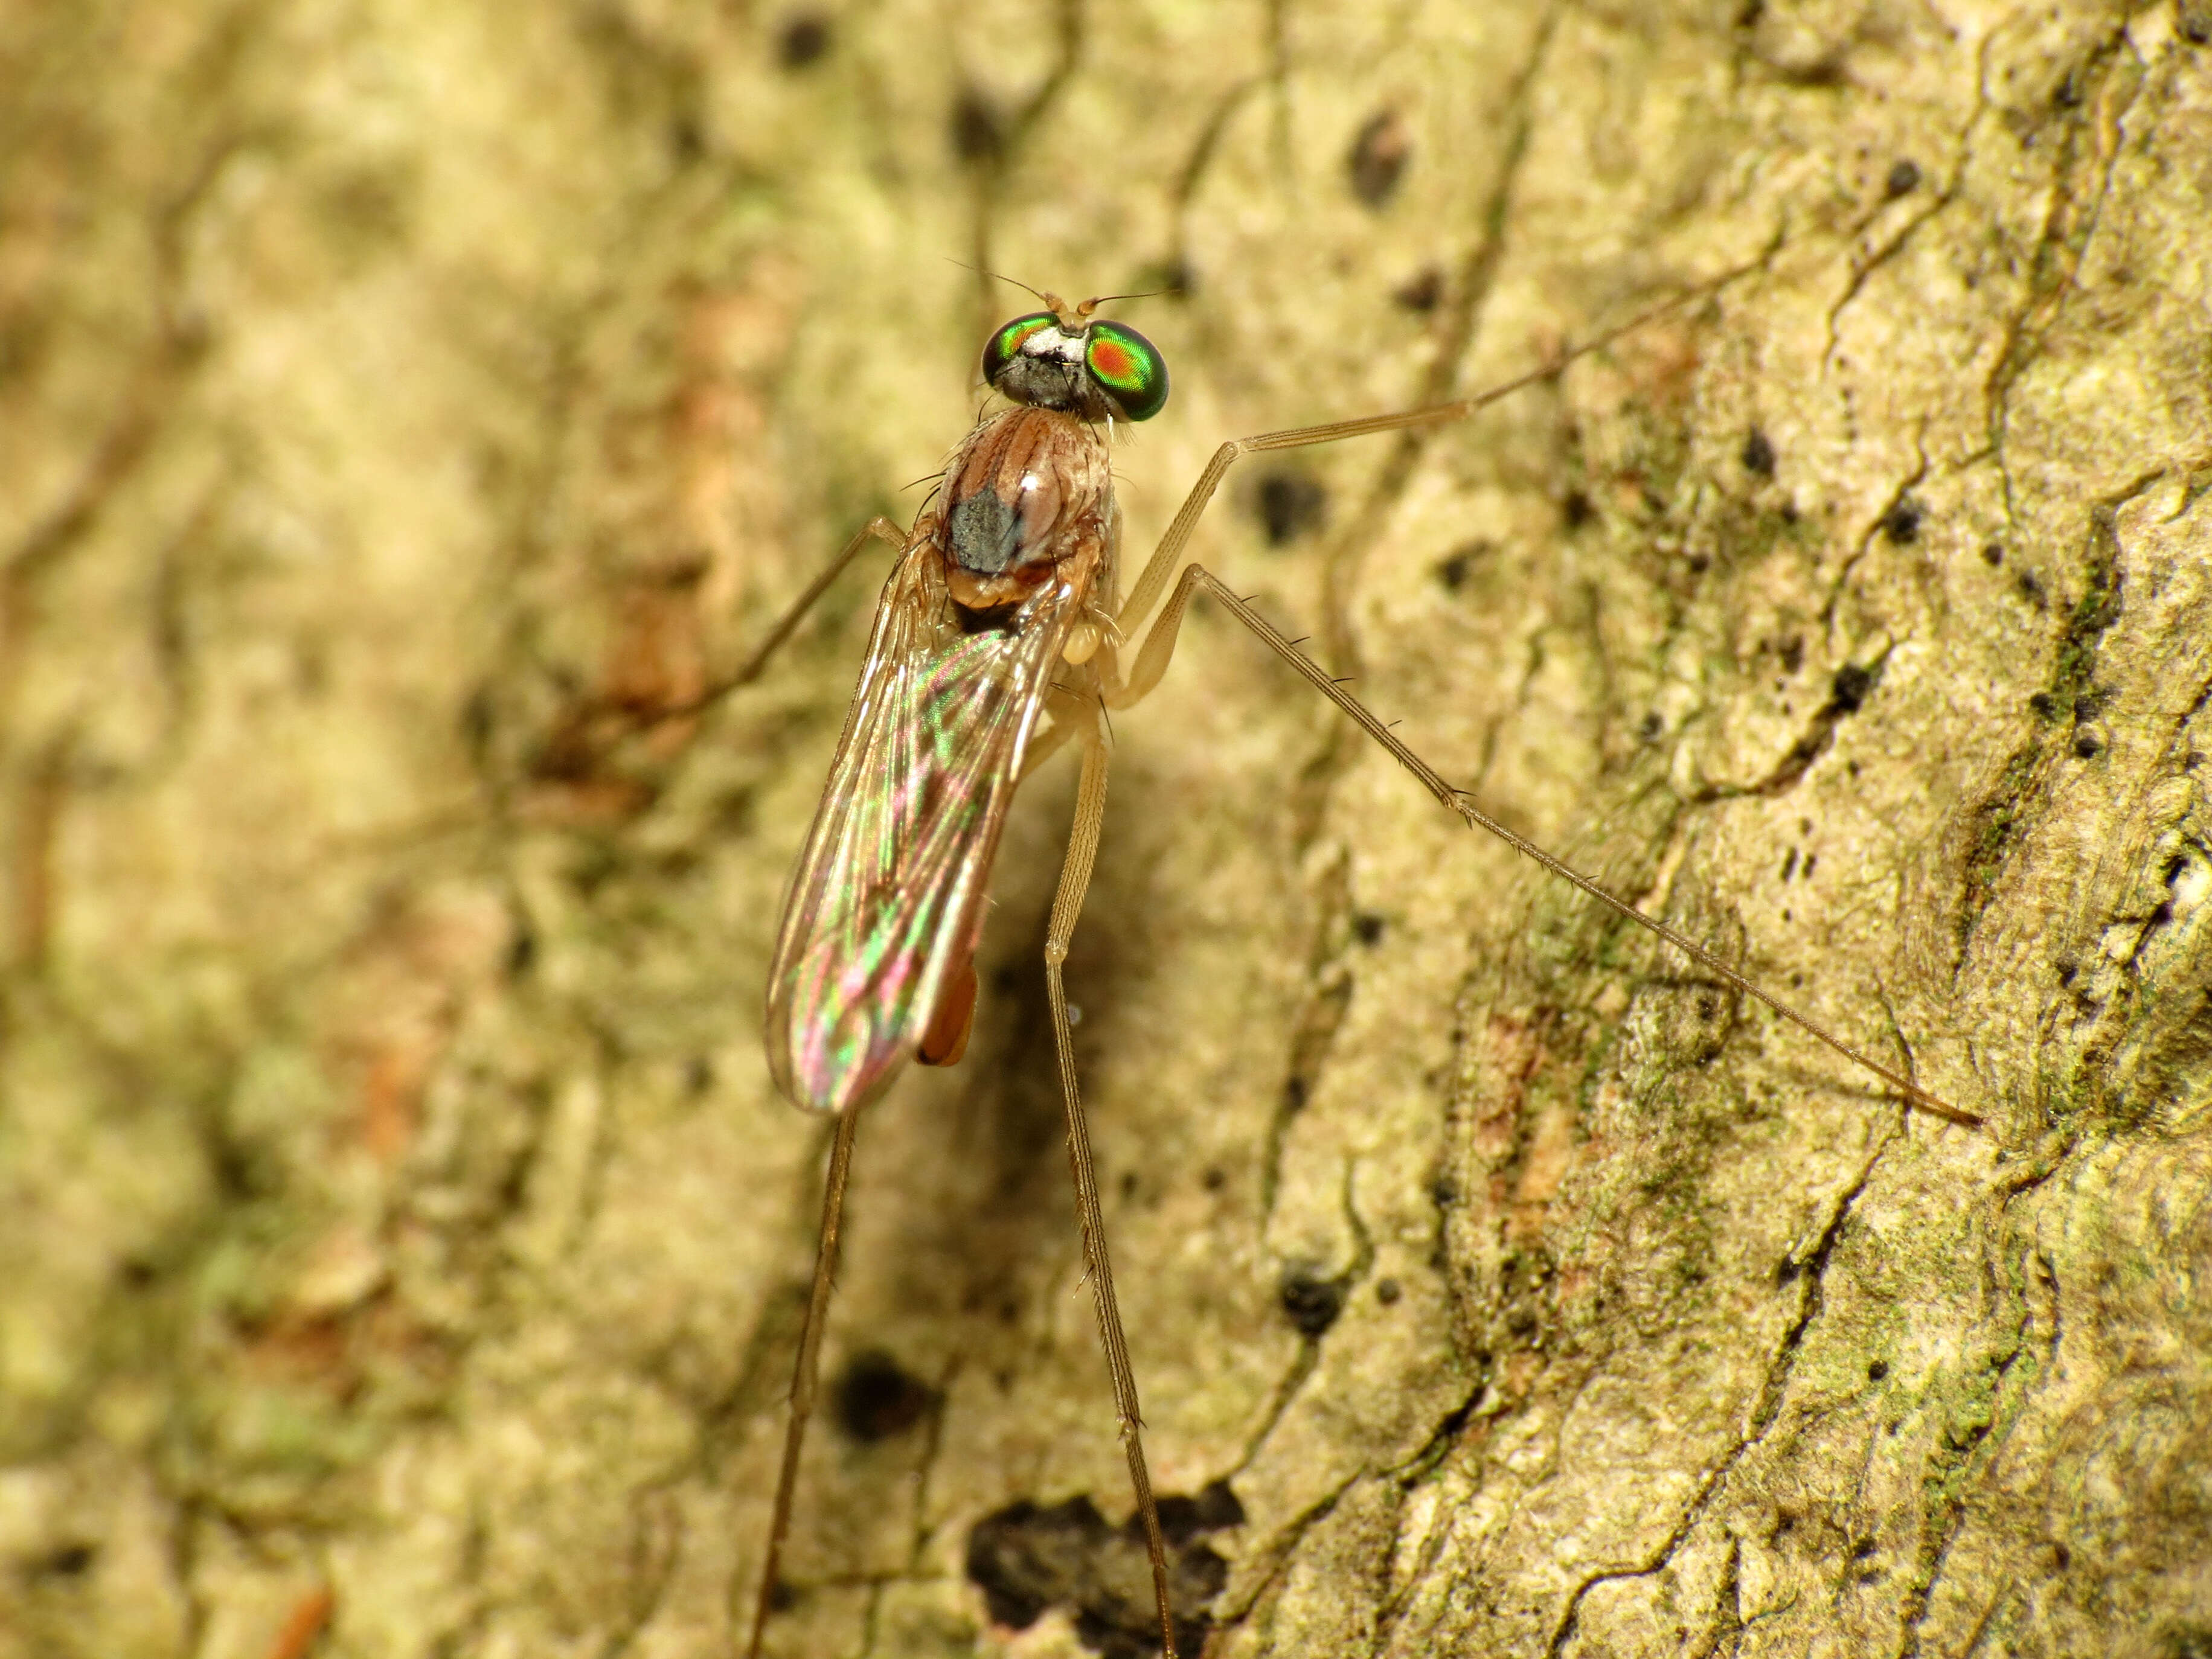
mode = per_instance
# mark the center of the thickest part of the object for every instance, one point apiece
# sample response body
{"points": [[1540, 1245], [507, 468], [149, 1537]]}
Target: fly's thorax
{"points": [[1028, 500]]}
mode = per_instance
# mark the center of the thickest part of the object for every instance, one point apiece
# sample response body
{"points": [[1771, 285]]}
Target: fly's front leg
{"points": [[878, 529], [1163, 561]]}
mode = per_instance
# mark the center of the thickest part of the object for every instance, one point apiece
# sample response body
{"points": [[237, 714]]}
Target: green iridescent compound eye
{"points": [[1007, 342], [1128, 368]]}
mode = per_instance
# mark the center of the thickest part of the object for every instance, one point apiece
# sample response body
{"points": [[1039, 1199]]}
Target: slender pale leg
{"points": [[803, 1377], [1159, 645], [1152, 661], [1067, 904], [878, 529]]}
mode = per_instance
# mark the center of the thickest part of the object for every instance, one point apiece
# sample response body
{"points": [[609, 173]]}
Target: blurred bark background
{"points": [[402, 403]]}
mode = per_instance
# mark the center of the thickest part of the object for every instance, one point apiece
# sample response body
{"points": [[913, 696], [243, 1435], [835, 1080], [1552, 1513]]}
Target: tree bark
{"points": [[411, 413]]}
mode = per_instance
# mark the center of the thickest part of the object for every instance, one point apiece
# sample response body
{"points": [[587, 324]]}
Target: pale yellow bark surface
{"points": [[400, 1235]]}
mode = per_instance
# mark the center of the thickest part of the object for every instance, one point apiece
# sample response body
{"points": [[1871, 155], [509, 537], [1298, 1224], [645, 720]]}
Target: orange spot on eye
{"points": [[1111, 362]]}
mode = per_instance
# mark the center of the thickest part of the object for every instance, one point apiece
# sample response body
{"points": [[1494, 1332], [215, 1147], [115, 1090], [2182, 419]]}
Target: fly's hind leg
{"points": [[1152, 658], [1067, 904], [805, 1370]]}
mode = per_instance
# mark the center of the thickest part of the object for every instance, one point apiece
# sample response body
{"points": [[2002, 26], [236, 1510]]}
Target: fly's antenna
{"points": [[1051, 300], [1092, 304]]}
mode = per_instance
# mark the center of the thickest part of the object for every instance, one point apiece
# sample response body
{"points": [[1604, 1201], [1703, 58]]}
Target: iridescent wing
{"points": [[888, 898]]}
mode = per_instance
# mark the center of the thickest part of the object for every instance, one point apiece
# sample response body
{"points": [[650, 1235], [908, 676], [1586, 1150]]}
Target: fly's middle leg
{"points": [[1066, 905]]}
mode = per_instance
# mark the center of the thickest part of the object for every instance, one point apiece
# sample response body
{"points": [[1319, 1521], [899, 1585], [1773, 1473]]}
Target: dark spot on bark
{"points": [[1295, 1091], [1026, 1560], [1575, 510], [1444, 1191], [973, 126], [70, 1560], [803, 41], [1786, 1273], [1215, 1177], [1758, 454], [687, 139], [1904, 179], [1422, 292], [1811, 859], [1901, 524], [1454, 569], [1993, 553], [1852, 684], [1369, 928], [698, 1075], [521, 953], [1387, 1291], [1311, 1302], [1863, 1548], [479, 718], [1128, 1185], [1215, 1509], [1876, 1370], [876, 1398], [782, 1598], [1788, 864], [1793, 654], [2043, 705], [2196, 21], [1289, 503], [2031, 589], [2086, 745], [1378, 158], [1653, 724]]}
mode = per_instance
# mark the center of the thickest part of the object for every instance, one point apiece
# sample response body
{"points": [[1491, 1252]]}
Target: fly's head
{"points": [[1064, 359]]}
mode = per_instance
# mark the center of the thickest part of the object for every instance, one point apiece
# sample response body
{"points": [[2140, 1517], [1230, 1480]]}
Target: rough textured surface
{"points": [[399, 401]]}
